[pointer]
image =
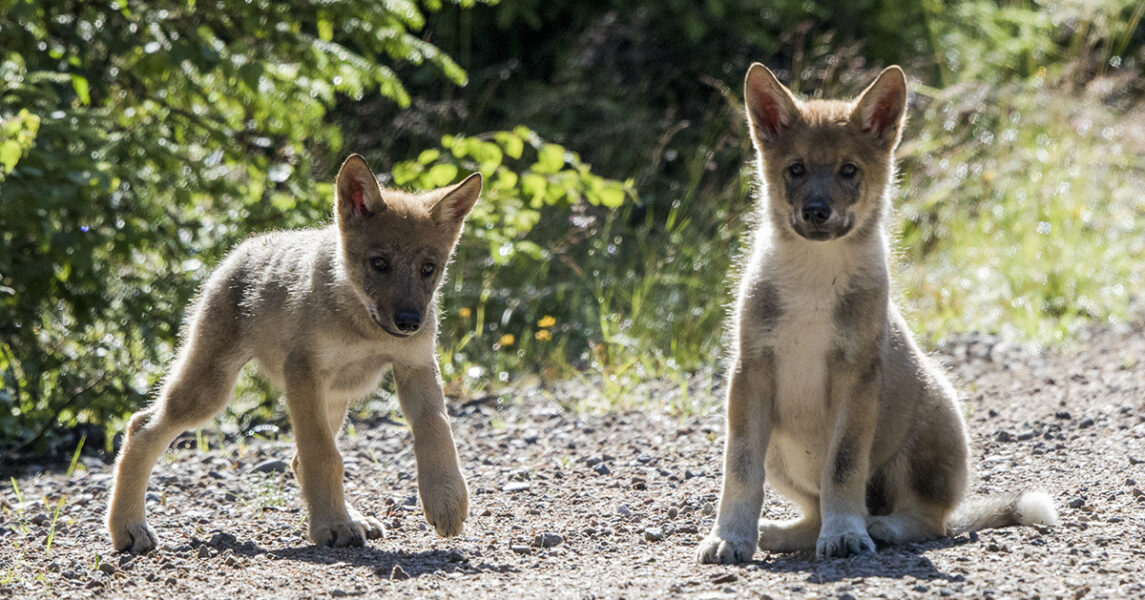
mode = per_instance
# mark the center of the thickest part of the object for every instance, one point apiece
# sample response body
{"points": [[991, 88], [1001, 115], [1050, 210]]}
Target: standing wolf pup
{"points": [[828, 394], [323, 311]]}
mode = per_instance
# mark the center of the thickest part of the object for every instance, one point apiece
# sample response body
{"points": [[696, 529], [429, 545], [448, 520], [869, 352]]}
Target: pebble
{"points": [[1077, 502], [672, 512], [204, 551], [654, 534], [273, 465], [1086, 422], [41, 519], [108, 568], [548, 540], [520, 549], [623, 510], [398, 573], [722, 578], [516, 486], [602, 469]]}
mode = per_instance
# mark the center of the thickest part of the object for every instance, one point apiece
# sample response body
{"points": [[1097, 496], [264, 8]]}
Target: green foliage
{"points": [[140, 141]]}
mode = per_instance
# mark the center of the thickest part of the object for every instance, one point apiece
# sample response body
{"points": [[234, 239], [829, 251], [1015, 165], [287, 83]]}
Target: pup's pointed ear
{"points": [[771, 108], [457, 202], [881, 108], [356, 191]]}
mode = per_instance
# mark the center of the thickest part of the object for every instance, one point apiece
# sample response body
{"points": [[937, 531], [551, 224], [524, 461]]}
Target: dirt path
{"points": [[612, 506]]}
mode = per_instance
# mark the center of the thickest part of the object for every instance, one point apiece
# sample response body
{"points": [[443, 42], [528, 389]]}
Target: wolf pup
{"points": [[323, 311], [828, 393]]}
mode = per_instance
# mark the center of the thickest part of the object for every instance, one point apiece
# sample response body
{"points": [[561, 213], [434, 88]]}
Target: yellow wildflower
{"points": [[543, 335], [546, 321], [465, 313], [508, 339]]}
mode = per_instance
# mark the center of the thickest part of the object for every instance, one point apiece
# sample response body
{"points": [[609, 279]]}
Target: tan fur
{"points": [[324, 312], [828, 394]]}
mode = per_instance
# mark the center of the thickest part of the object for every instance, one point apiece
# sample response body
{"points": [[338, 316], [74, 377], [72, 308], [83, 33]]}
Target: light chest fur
{"points": [[808, 279]]}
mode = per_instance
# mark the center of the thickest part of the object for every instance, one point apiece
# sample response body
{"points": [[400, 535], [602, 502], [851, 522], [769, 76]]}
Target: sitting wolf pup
{"points": [[323, 311], [828, 394]]}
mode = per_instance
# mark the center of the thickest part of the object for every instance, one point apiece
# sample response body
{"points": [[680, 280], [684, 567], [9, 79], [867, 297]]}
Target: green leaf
{"points": [[534, 186], [442, 174], [611, 196], [325, 29], [80, 85], [405, 172], [9, 154], [511, 143], [550, 159]]}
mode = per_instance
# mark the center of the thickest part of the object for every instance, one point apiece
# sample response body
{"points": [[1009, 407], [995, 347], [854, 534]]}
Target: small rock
{"points": [[398, 573], [689, 474], [593, 461], [339, 593], [41, 519], [722, 578], [1077, 502], [1025, 435], [1005, 436], [222, 540], [688, 528], [1062, 414], [602, 469], [273, 465], [232, 561], [516, 486], [1086, 422], [204, 551], [548, 540], [107, 568], [623, 510], [456, 556], [213, 474], [644, 459], [654, 534], [672, 512], [520, 549]]}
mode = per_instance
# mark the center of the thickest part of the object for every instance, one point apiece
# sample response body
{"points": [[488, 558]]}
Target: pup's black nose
{"points": [[407, 320], [816, 212]]}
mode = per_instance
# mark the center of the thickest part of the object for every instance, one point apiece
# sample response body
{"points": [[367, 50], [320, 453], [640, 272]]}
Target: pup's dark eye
{"points": [[796, 170], [848, 171], [379, 264], [427, 269]]}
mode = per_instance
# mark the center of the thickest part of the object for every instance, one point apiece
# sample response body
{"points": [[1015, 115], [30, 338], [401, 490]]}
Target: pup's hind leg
{"points": [[198, 387], [795, 535], [913, 521]]}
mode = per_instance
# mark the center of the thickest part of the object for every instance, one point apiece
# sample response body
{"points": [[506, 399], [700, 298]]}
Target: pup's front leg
{"points": [[444, 497], [854, 390], [318, 465], [750, 395]]}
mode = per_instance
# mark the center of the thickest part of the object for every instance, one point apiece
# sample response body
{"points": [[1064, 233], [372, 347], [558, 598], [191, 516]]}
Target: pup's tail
{"points": [[1024, 508]]}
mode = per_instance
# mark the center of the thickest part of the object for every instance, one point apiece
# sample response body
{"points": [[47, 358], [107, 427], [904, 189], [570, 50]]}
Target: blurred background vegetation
{"points": [[140, 140]]}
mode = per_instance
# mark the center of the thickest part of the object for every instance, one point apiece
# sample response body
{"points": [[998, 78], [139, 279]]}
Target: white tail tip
{"points": [[1036, 508]]}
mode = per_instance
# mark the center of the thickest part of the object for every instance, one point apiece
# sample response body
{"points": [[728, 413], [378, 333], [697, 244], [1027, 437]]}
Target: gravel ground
{"points": [[567, 505]]}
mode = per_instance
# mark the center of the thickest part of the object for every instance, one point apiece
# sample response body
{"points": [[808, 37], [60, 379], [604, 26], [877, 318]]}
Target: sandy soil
{"points": [[566, 505]]}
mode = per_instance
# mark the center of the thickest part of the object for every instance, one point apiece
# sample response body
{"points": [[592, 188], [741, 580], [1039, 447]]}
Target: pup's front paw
{"points": [[842, 539], [337, 534], [136, 538], [717, 550], [446, 504]]}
